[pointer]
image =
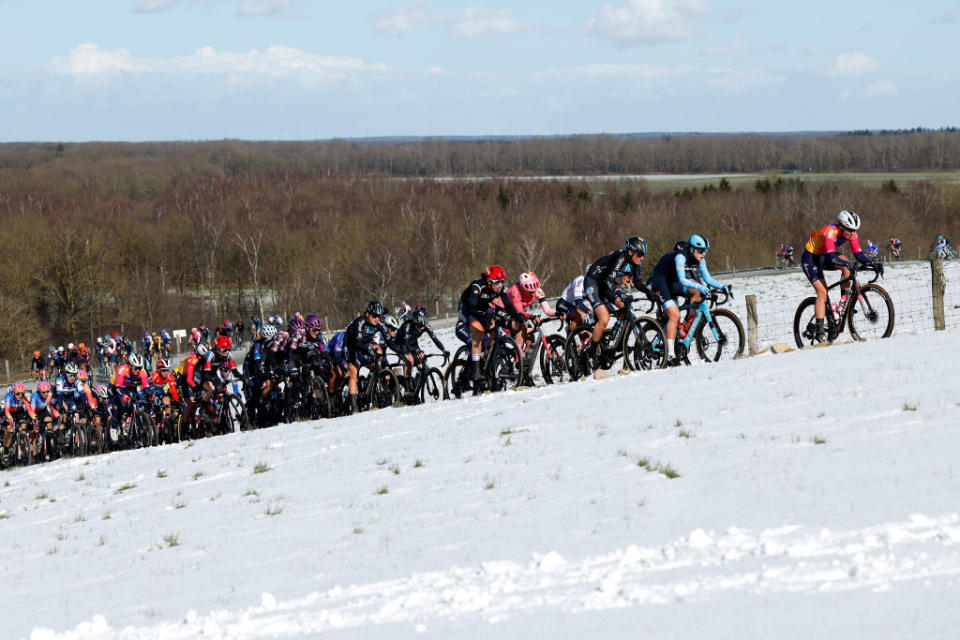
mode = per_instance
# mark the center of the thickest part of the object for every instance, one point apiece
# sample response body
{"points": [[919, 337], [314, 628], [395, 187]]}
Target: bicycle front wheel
{"points": [[645, 351], [383, 389], [871, 316], [506, 371], [553, 368], [574, 352], [722, 338], [431, 385]]}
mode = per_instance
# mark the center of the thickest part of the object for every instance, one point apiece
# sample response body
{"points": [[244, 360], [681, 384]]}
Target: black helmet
{"points": [[375, 308], [637, 245], [419, 317]]}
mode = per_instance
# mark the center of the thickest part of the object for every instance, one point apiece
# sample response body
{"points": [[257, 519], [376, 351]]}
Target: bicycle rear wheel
{"points": [[553, 367], [455, 382], [646, 351], [383, 389], [871, 316], [804, 326], [722, 338]]}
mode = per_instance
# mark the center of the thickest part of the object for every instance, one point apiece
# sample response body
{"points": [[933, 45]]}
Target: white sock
{"points": [[670, 342]]}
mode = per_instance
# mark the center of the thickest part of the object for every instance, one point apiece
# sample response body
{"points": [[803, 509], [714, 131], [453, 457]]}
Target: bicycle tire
{"points": [[578, 366], [319, 401], [730, 342], [803, 323], [453, 378], [431, 386], [383, 389], [646, 354], [553, 367], [505, 372], [868, 310]]}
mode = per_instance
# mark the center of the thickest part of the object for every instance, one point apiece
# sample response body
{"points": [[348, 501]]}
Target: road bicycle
{"points": [[717, 334], [631, 339], [500, 366], [868, 312]]}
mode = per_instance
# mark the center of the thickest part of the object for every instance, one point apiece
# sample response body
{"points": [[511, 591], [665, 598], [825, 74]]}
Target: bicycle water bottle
{"points": [[833, 310]]}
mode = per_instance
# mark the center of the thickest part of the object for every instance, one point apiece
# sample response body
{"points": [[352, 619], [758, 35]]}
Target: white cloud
{"points": [[946, 18], [89, 60], [643, 22], [737, 45], [626, 71], [263, 7], [402, 19], [436, 70], [848, 64], [477, 21], [153, 6]]}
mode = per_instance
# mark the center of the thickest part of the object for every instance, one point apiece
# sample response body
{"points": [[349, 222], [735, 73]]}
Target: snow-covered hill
{"points": [[809, 494]]}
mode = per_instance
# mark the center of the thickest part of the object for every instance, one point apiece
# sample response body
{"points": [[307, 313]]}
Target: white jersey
{"points": [[574, 292]]}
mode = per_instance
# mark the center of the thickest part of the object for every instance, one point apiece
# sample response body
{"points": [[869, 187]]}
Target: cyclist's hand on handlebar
{"points": [[537, 320]]}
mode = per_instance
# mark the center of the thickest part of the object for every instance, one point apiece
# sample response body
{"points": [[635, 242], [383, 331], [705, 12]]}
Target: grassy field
{"points": [[659, 184]]}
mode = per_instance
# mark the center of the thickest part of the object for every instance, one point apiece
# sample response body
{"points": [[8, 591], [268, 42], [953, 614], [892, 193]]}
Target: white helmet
{"points": [[135, 361], [69, 346], [201, 349], [849, 220], [268, 332]]}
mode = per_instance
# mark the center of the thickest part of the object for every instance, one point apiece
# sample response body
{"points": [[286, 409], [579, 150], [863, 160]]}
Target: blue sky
{"points": [[315, 69]]}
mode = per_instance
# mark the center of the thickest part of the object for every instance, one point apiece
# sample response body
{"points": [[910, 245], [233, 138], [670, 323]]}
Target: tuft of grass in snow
{"points": [[179, 505], [5, 516], [198, 475], [262, 467], [678, 423], [382, 491], [251, 492], [819, 440], [821, 414], [171, 540], [52, 550], [102, 541], [6, 483], [161, 473], [42, 496], [273, 511], [80, 478], [357, 529], [668, 470], [685, 434], [80, 518], [382, 461], [418, 464], [105, 516], [490, 484], [395, 469], [909, 407], [124, 487]]}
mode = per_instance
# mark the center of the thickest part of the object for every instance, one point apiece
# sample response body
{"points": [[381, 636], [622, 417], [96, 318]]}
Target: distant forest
{"points": [[115, 236]]}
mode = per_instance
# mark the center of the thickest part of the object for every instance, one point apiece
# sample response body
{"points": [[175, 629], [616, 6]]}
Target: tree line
{"points": [[129, 242]]}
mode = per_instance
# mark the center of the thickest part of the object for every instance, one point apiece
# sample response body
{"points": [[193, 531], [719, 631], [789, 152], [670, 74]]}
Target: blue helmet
{"points": [[697, 241]]}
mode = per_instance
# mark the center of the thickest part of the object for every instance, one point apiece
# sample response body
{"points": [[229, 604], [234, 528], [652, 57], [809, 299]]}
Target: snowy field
{"points": [[744, 499]]}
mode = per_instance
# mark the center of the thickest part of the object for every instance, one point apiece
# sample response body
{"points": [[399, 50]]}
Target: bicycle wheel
{"points": [[383, 389], [553, 367], [574, 355], [236, 415], [804, 325], [146, 430], [871, 316], [646, 352], [455, 382], [505, 372], [722, 338], [319, 401], [431, 385]]}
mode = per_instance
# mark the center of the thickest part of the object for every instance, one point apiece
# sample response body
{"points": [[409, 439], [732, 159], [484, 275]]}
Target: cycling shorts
{"points": [[814, 265], [668, 291], [597, 293]]}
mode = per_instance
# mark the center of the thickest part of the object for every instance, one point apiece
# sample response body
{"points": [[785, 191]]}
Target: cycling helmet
{"points": [[697, 241], [636, 244], [278, 321], [43, 386], [495, 273], [374, 308], [69, 346], [134, 361], [60, 349], [82, 374], [99, 340], [296, 325], [391, 322], [223, 343], [71, 369], [19, 387], [314, 322], [529, 281], [268, 332], [201, 349], [36, 354], [419, 317], [100, 391], [848, 220], [163, 363]]}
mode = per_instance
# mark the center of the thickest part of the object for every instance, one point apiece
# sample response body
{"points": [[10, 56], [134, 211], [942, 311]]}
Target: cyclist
{"points": [[572, 305], [785, 254], [17, 407], [46, 413], [523, 295], [39, 366], [478, 315], [167, 382], [255, 374], [893, 247], [73, 396], [408, 340], [600, 287], [189, 375], [822, 253], [361, 346], [682, 273], [307, 346], [871, 249]]}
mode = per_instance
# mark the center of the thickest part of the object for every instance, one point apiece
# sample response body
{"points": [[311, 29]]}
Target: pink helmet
{"points": [[43, 386], [19, 387], [529, 281]]}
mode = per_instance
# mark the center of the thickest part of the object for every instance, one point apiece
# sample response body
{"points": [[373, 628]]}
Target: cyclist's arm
{"points": [[680, 261], [858, 253], [709, 279]]}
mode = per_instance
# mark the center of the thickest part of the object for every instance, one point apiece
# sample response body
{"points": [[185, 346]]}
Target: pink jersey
{"points": [[522, 300]]}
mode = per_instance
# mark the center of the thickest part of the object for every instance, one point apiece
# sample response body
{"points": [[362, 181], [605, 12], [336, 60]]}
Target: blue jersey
{"points": [[13, 403], [335, 346], [40, 402]]}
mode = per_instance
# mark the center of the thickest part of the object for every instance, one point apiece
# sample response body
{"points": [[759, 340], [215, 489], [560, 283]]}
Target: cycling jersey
{"points": [[165, 381], [408, 337], [673, 275], [336, 349], [359, 340], [213, 361], [126, 379], [522, 300], [13, 405], [477, 298], [40, 403], [828, 239]]}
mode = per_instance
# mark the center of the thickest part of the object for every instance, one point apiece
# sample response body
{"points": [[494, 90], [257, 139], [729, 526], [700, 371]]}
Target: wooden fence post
{"points": [[939, 285], [753, 340], [6, 364]]}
